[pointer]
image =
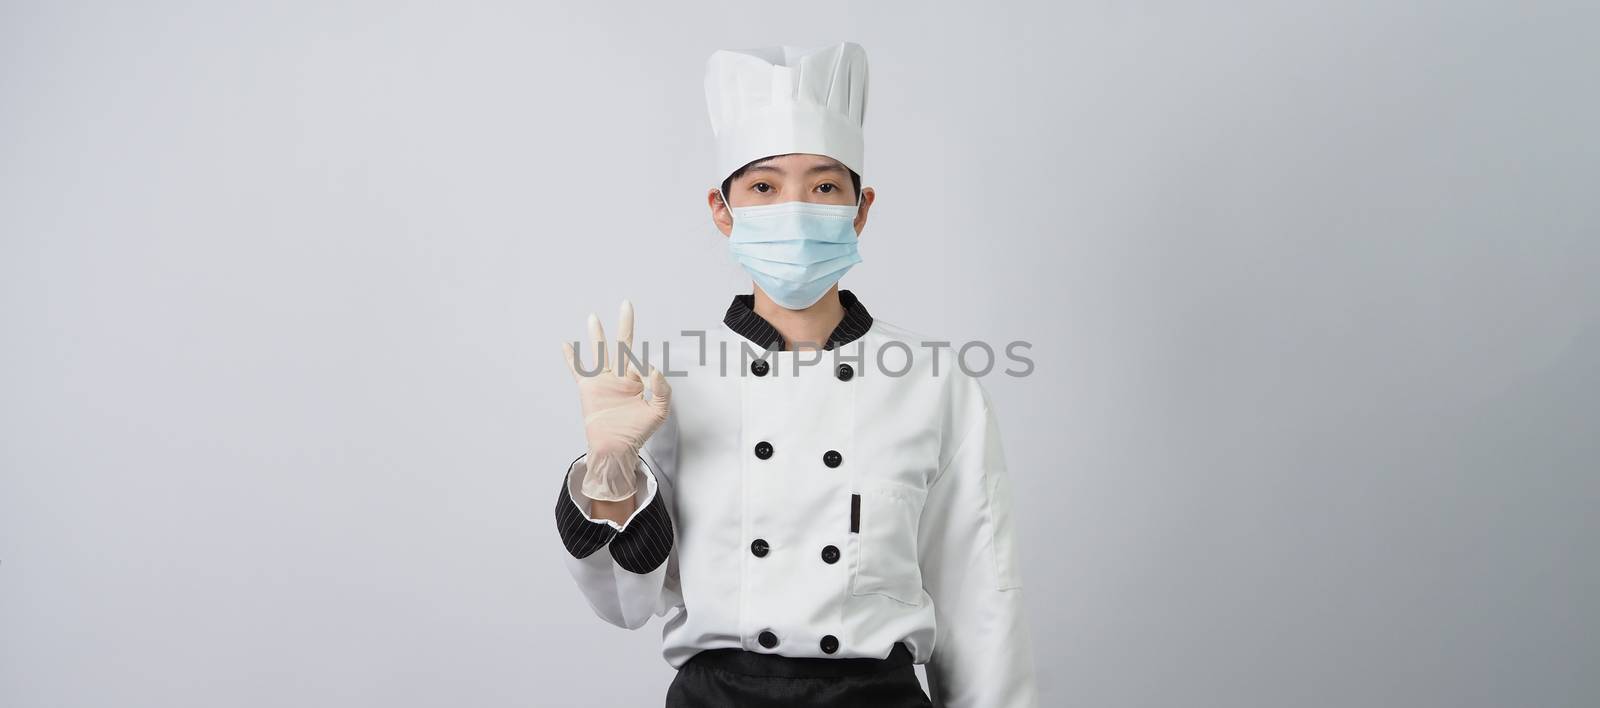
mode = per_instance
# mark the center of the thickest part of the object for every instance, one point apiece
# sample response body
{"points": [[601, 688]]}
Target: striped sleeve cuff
{"points": [[639, 545]]}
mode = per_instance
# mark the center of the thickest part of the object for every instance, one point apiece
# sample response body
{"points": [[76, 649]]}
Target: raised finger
{"points": [[597, 336], [625, 341]]}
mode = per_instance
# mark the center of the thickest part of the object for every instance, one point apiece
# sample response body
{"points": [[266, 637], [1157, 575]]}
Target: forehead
{"points": [[795, 164]]}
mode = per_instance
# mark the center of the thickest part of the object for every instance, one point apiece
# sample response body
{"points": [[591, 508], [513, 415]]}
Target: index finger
{"points": [[624, 335], [598, 337]]}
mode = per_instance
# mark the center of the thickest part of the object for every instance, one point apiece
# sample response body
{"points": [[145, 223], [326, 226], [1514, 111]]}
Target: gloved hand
{"points": [[617, 414]]}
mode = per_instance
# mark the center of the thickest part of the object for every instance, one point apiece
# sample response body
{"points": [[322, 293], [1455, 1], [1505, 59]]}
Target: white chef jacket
{"points": [[825, 510]]}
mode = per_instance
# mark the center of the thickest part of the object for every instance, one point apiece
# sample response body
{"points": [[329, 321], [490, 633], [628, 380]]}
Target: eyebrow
{"points": [[814, 169]]}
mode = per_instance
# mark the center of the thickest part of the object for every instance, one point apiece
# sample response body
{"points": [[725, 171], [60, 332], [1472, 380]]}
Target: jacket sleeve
{"points": [[982, 654], [626, 571]]}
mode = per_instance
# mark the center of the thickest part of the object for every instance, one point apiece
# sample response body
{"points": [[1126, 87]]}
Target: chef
{"points": [[818, 501]]}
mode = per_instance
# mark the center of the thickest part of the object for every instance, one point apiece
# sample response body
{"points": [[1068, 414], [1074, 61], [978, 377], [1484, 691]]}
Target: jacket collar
{"points": [[744, 321]]}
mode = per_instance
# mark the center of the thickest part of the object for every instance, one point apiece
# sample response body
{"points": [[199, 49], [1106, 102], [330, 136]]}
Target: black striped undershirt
{"points": [[743, 320], [641, 547]]}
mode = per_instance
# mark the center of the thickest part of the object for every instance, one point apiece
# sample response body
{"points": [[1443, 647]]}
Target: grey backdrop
{"points": [[1312, 288]]}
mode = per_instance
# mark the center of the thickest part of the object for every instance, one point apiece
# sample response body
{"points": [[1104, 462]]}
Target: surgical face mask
{"points": [[795, 250]]}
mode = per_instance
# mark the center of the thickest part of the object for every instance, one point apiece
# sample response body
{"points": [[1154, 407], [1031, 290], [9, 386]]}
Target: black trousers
{"points": [[735, 678]]}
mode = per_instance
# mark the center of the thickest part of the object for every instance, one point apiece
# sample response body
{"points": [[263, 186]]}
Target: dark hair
{"points": [[855, 179]]}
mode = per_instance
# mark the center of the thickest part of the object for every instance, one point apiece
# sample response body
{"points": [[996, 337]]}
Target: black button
{"points": [[830, 644], [830, 554], [759, 367], [759, 547], [768, 639], [832, 458], [763, 449], [845, 372]]}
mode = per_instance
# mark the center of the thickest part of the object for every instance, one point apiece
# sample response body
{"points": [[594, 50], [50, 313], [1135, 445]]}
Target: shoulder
{"points": [[884, 338], [930, 363], [893, 347]]}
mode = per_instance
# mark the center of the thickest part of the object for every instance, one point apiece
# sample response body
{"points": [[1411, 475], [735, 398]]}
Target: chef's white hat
{"points": [[778, 100]]}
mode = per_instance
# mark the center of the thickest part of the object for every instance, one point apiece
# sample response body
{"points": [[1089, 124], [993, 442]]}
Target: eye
{"points": [[827, 188], [761, 187]]}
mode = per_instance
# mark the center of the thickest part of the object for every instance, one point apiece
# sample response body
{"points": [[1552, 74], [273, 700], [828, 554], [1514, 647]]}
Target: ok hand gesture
{"points": [[618, 415]]}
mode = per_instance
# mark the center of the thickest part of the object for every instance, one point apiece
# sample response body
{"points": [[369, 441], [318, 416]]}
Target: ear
{"points": [[719, 212], [868, 195]]}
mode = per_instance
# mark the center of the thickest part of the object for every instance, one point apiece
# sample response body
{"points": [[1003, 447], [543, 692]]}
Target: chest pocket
{"points": [[883, 524]]}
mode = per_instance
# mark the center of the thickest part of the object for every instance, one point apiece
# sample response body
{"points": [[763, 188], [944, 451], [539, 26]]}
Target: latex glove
{"points": [[618, 416]]}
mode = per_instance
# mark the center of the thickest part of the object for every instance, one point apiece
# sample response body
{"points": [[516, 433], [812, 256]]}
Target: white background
{"points": [[1311, 287]]}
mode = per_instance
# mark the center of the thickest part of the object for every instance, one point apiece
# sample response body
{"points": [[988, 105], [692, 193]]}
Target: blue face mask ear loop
{"points": [[861, 193], [725, 203]]}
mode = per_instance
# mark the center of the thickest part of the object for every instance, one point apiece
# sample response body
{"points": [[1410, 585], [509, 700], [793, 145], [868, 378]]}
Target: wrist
{"points": [[613, 450], [617, 511]]}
